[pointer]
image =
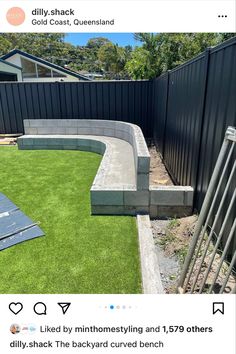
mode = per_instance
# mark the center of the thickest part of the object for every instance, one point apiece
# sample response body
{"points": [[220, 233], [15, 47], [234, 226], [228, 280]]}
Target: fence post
{"points": [[2, 123], [166, 113], [203, 106]]}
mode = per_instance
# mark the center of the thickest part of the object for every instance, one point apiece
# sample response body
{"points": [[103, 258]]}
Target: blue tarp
{"points": [[15, 226]]}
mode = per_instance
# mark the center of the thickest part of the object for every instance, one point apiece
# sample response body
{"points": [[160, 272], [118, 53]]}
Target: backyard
{"points": [[79, 253]]}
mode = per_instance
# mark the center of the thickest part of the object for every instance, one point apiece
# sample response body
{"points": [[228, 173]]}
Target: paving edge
{"points": [[151, 278]]}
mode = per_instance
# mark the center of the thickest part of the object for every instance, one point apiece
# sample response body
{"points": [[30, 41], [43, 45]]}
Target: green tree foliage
{"points": [[157, 53], [96, 43], [5, 45], [89, 60], [164, 51], [144, 62], [112, 59], [139, 66], [39, 44]]}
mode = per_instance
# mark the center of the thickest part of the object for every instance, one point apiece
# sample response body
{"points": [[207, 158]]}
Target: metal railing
{"points": [[206, 268]]}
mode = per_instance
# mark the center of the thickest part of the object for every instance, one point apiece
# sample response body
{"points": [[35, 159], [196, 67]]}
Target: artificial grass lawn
{"points": [[80, 253]]}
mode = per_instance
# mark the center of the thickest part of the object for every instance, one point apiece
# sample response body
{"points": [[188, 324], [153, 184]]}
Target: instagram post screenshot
{"points": [[118, 176]]}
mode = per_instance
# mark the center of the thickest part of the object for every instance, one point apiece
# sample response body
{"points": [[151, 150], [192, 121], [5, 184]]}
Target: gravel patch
{"points": [[169, 265]]}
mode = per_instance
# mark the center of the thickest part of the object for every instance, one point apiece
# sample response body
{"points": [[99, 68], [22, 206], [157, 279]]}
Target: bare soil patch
{"points": [[172, 239], [158, 173]]}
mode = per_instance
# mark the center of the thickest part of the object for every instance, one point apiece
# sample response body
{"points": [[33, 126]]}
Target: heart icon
{"points": [[15, 307]]}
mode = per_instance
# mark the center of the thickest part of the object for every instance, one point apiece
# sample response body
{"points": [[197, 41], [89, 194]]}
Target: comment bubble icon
{"points": [[40, 308]]}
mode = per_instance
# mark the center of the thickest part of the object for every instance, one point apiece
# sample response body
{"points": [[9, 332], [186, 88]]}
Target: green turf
{"points": [[80, 253]]}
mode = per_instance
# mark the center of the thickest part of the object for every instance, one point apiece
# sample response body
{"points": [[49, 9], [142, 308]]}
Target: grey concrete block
{"points": [[109, 132], [58, 130], [153, 211], [31, 131], [20, 142], [84, 130], [110, 124], [70, 141], [65, 123], [53, 141], [84, 148], [69, 147], [95, 145], [151, 279], [72, 130], [95, 149], [126, 136], [26, 147], [40, 147], [51, 130], [36, 123], [136, 198], [68, 123], [143, 164], [26, 123], [50, 123], [118, 134], [54, 147], [142, 181], [40, 141], [107, 197], [111, 210], [45, 130], [120, 126], [174, 211], [144, 210], [94, 142], [83, 142], [81, 123], [188, 196], [102, 149], [26, 141], [167, 196]]}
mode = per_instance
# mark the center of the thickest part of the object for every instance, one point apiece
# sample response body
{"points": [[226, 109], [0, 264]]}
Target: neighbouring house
{"points": [[39, 70], [10, 72], [92, 76]]}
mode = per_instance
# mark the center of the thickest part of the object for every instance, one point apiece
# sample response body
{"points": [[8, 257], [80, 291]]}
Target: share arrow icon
{"points": [[64, 306]]}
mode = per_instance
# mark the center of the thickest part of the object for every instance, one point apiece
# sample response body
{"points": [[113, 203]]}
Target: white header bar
{"points": [[118, 16]]}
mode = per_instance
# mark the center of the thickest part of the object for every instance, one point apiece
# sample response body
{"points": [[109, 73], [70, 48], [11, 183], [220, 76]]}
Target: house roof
{"points": [[44, 62], [10, 64]]}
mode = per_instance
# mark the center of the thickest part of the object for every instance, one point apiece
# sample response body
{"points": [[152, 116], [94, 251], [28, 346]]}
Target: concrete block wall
{"points": [[173, 201], [63, 142], [157, 201], [168, 201], [117, 129]]}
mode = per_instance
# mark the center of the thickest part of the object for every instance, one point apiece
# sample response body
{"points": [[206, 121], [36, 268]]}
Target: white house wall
{"points": [[15, 59], [10, 69]]}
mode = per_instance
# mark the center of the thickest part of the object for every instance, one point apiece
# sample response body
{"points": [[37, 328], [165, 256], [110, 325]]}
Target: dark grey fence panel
{"points": [[183, 121], [160, 99], [189, 129], [10, 110], [118, 100], [191, 112], [220, 111]]}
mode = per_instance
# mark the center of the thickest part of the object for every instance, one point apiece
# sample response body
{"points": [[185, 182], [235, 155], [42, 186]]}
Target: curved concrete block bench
{"points": [[121, 185], [129, 132]]}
